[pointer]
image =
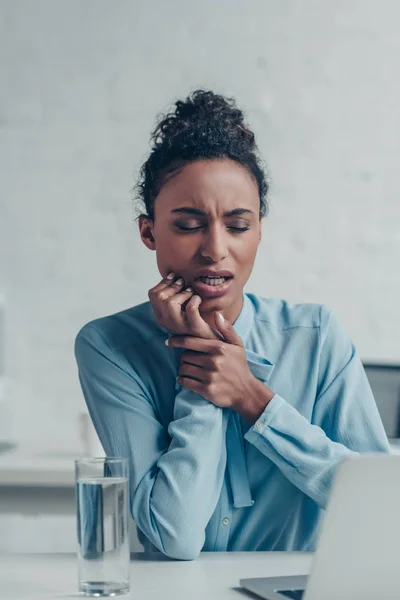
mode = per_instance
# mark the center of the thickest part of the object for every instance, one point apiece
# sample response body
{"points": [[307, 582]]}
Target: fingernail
{"points": [[166, 342], [179, 281], [189, 289], [171, 276], [220, 317]]}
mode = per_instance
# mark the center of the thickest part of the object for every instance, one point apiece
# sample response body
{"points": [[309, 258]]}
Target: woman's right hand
{"points": [[177, 309]]}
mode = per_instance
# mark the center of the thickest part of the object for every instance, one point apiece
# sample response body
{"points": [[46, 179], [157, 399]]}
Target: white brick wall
{"points": [[81, 84]]}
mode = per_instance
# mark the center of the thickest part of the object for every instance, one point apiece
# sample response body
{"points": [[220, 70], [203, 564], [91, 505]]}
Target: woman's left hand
{"points": [[217, 370]]}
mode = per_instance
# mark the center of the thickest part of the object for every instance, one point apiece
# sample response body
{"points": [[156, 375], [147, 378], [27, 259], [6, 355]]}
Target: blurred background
{"points": [[82, 83]]}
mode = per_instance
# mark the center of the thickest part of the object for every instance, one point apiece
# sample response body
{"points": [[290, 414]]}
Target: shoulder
{"points": [[311, 328], [282, 314], [133, 326]]}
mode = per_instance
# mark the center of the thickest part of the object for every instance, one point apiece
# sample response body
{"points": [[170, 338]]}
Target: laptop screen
{"points": [[294, 594]]}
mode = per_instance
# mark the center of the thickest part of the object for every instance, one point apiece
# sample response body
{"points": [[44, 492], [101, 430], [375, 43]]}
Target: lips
{"points": [[205, 290], [211, 273]]}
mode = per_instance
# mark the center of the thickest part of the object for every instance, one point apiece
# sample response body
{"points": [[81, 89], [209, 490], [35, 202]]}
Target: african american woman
{"points": [[234, 410]]}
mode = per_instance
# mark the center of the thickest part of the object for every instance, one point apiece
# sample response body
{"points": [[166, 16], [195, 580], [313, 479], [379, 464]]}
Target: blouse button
{"points": [[225, 521]]}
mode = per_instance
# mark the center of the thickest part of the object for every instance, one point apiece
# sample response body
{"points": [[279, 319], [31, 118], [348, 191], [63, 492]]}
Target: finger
{"points": [[226, 329], [194, 304], [195, 358], [191, 384], [175, 292], [193, 318], [182, 295], [170, 290], [170, 286], [195, 321], [166, 288], [173, 308], [195, 343], [165, 282], [194, 372], [168, 301]]}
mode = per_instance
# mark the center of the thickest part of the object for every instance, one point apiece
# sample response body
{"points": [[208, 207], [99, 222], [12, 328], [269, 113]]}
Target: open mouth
{"points": [[211, 287], [213, 280]]}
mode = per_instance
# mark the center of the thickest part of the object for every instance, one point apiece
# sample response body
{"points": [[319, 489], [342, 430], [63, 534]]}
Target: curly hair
{"points": [[205, 126]]}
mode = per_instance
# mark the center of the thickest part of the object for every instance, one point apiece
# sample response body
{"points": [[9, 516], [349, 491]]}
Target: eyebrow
{"points": [[195, 211]]}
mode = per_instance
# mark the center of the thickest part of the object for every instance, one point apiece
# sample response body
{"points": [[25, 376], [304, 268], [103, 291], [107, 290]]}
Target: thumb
{"points": [[227, 330]]}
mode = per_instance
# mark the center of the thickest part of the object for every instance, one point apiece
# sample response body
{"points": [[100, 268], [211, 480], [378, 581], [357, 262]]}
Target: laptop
{"points": [[358, 550]]}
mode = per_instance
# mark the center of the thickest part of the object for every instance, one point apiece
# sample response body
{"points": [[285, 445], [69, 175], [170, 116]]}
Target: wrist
{"points": [[255, 400]]}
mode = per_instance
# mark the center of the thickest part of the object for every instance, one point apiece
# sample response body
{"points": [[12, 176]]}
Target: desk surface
{"points": [[211, 575]]}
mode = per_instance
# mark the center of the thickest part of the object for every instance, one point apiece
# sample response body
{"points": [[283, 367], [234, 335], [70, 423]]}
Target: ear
{"points": [[146, 229], [260, 232]]}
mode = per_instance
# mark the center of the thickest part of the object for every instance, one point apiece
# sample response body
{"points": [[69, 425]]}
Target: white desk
{"points": [[210, 576]]}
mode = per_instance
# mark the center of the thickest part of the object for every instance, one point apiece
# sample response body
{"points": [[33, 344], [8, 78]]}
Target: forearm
{"points": [[175, 475], [173, 504], [302, 451], [255, 400]]}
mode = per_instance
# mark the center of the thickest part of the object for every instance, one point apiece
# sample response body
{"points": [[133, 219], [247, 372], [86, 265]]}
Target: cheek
{"points": [[174, 245], [245, 259], [173, 251], [248, 250]]}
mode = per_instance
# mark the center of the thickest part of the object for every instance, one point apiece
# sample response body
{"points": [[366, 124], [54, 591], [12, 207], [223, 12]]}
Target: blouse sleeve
{"points": [[170, 469], [345, 419]]}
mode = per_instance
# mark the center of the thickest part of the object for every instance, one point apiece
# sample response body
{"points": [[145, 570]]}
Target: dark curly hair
{"points": [[204, 126]]}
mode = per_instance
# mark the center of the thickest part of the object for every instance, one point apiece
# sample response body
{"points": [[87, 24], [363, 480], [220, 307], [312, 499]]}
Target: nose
{"points": [[214, 245]]}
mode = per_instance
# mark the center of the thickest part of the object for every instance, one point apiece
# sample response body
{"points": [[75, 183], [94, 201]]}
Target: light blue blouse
{"points": [[201, 478]]}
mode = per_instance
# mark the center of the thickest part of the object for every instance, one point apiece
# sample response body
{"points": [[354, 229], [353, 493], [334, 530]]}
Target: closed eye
{"points": [[201, 227]]}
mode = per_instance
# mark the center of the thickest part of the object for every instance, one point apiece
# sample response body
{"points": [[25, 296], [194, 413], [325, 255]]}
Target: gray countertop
{"points": [[211, 575]]}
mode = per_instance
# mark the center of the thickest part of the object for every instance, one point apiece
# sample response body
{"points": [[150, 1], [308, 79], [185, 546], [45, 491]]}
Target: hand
{"points": [[177, 309], [216, 369]]}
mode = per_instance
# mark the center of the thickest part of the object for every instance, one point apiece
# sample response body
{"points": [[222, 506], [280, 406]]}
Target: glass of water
{"points": [[102, 525]]}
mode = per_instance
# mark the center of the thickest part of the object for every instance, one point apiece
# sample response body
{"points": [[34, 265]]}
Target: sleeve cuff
{"points": [[265, 419]]}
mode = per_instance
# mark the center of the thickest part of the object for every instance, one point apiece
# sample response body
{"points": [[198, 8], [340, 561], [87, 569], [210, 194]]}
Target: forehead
{"points": [[210, 185]]}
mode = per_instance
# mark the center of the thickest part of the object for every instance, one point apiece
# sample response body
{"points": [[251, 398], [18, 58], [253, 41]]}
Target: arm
{"points": [[345, 419], [169, 470]]}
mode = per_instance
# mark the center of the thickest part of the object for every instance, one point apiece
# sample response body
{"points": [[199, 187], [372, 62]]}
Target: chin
{"points": [[210, 304]]}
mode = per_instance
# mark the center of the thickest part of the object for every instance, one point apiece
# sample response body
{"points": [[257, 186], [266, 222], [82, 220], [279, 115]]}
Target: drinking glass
{"points": [[102, 525]]}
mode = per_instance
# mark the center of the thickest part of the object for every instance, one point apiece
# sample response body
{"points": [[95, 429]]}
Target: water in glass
{"points": [[103, 544]]}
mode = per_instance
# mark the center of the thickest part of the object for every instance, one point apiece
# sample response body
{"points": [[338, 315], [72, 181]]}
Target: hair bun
{"points": [[204, 126], [203, 109]]}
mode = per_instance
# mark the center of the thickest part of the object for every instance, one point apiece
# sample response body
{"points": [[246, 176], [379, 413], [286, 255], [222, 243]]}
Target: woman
{"points": [[235, 428]]}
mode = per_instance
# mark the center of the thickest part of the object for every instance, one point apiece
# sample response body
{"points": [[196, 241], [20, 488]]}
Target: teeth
{"points": [[213, 280]]}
